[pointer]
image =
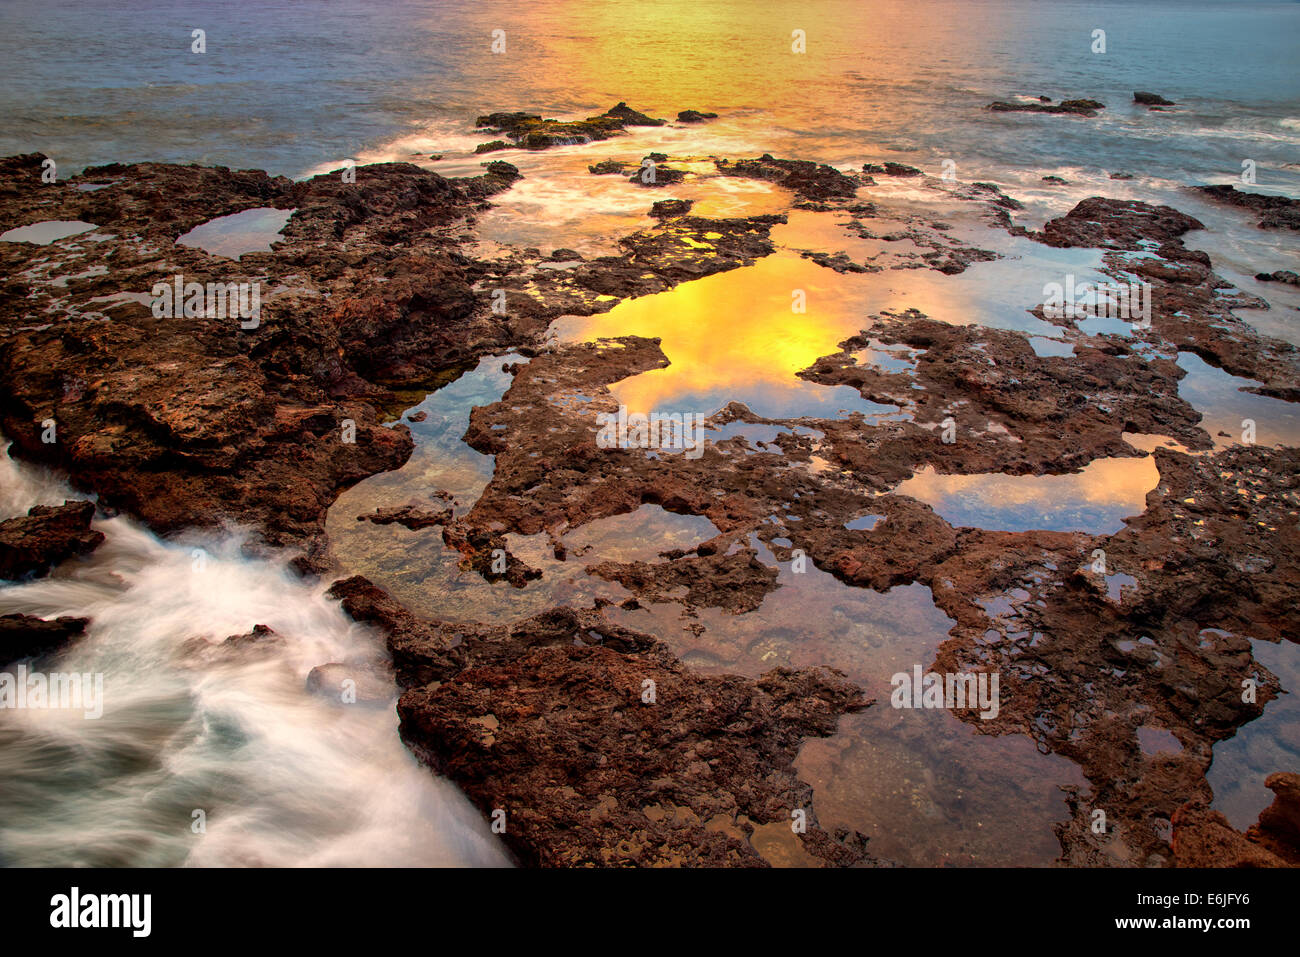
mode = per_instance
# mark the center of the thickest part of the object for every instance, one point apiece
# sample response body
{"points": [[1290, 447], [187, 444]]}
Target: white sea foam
{"points": [[282, 775]]}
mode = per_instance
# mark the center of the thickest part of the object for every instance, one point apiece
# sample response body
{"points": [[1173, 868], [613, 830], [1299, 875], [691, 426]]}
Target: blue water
{"points": [[288, 85]]}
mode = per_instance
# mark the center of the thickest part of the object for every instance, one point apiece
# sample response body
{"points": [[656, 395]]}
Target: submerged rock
{"points": [[411, 516], [343, 683]]}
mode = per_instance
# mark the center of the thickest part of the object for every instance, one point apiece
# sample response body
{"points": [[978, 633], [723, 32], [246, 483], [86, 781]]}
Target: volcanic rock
{"points": [[47, 535]]}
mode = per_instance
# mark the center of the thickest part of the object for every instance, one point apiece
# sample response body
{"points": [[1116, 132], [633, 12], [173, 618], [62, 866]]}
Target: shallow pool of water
{"points": [[42, 234], [1095, 500], [251, 231]]}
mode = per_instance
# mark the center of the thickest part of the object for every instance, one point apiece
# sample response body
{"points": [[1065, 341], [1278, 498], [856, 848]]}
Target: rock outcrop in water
{"points": [[530, 131], [1191, 307], [191, 420], [1275, 212], [891, 169], [809, 180], [26, 636], [47, 535], [1075, 107]]}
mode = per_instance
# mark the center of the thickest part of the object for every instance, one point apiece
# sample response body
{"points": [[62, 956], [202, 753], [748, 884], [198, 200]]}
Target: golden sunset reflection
{"points": [[732, 336]]}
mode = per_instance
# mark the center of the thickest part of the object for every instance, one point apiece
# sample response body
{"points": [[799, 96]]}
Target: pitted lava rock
{"points": [[1216, 554], [1204, 838], [192, 421], [1191, 307], [196, 421], [601, 748], [1115, 224]]}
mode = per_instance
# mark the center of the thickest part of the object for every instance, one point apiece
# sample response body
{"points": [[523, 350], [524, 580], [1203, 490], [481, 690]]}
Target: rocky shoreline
{"points": [[372, 295]]}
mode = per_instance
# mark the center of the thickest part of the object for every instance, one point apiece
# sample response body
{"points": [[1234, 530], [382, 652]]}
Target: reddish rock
{"points": [[47, 535]]}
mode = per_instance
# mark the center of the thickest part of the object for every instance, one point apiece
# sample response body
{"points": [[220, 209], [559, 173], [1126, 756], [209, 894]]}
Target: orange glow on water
{"points": [[733, 334]]}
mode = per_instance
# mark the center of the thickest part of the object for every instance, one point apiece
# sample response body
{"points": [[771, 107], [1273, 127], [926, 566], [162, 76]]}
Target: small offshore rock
{"points": [[26, 636], [48, 534]]}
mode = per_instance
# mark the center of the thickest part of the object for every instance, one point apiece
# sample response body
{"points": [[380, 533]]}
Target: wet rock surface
{"points": [[1081, 107], [47, 535], [195, 420], [191, 420], [597, 747], [371, 295], [1214, 552], [531, 132], [26, 636], [1204, 838], [1274, 212], [1151, 99], [1192, 308], [807, 179]]}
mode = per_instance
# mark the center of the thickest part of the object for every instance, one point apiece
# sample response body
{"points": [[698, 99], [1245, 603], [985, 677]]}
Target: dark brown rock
{"points": [[25, 636], [411, 516], [1275, 212], [671, 208], [1077, 107], [47, 535], [809, 180]]}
